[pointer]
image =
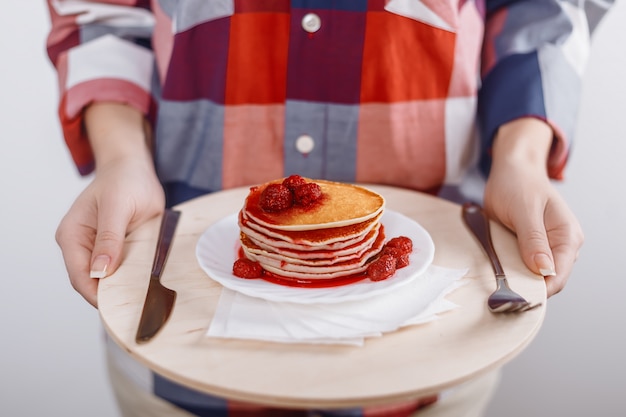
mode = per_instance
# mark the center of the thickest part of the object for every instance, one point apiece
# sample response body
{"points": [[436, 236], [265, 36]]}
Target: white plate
{"points": [[218, 248]]}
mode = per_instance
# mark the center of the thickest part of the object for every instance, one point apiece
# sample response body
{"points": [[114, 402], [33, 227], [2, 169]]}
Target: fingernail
{"points": [[543, 262], [99, 266]]}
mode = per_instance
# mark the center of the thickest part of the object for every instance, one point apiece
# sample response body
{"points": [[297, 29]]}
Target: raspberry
{"points": [[402, 259], [293, 181], [276, 197], [382, 268], [390, 250], [306, 194], [403, 243], [246, 268]]}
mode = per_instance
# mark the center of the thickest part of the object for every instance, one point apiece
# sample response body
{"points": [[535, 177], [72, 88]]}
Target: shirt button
{"points": [[305, 144], [311, 22]]}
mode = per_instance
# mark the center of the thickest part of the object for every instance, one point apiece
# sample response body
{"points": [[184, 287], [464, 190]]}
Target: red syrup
{"points": [[307, 283], [312, 283]]}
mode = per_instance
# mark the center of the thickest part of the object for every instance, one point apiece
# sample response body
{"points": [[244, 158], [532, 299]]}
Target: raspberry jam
{"points": [[401, 261], [313, 283]]}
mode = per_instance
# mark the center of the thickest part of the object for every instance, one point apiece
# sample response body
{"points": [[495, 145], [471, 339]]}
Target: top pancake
{"points": [[341, 205]]}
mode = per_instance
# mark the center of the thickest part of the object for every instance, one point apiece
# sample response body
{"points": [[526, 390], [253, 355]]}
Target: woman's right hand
{"points": [[124, 193], [91, 234]]}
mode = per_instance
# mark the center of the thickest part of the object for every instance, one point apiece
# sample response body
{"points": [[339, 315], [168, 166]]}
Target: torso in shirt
{"points": [[358, 91]]}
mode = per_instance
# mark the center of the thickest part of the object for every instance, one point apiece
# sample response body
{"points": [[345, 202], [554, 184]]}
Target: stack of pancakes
{"points": [[334, 237]]}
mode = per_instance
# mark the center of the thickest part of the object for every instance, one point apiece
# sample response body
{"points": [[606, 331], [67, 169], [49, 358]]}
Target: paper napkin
{"points": [[349, 322]]}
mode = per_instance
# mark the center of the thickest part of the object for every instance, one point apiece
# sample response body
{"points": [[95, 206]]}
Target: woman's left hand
{"points": [[520, 195]]}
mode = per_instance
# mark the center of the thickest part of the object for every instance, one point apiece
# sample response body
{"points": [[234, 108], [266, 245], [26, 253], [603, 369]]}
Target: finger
{"points": [[564, 260], [109, 241], [535, 246], [566, 238], [566, 242], [75, 241]]}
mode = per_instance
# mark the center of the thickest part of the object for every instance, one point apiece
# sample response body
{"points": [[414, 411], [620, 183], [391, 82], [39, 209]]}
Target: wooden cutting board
{"points": [[415, 361]]}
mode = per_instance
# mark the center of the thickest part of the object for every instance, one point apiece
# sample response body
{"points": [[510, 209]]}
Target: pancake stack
{"points": [[333, 236]]}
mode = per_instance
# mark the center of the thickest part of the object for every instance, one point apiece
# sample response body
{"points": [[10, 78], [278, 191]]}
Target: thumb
{"points": [[108, 244], [535, 248]]}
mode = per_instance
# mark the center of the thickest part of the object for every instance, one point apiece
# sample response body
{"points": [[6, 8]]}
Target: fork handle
{"points": [[477, 221]]}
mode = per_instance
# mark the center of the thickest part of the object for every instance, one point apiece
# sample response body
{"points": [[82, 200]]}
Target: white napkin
{"points": [[243, 317]]}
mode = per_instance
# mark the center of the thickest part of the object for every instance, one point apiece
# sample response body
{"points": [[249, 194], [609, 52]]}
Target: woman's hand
{"points": [[124, 193], [520, 195], [91, 235]]}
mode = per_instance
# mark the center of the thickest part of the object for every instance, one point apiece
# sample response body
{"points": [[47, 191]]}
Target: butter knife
{"points": [[159, 299]]}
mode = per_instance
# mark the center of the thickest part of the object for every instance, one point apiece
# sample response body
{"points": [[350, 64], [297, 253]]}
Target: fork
{"points": [[503, 299]]}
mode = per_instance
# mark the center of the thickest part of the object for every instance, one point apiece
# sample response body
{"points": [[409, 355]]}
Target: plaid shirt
{"points": [[402, 92]]}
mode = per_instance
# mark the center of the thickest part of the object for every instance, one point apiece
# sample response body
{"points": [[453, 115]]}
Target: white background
{"points": [[51, 357]]}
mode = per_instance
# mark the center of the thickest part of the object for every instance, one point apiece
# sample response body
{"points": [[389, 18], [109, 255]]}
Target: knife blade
{"points": [[160, 300]]}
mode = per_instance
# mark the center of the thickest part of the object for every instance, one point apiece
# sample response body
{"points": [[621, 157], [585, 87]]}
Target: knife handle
{"points": [[166, 234]]}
